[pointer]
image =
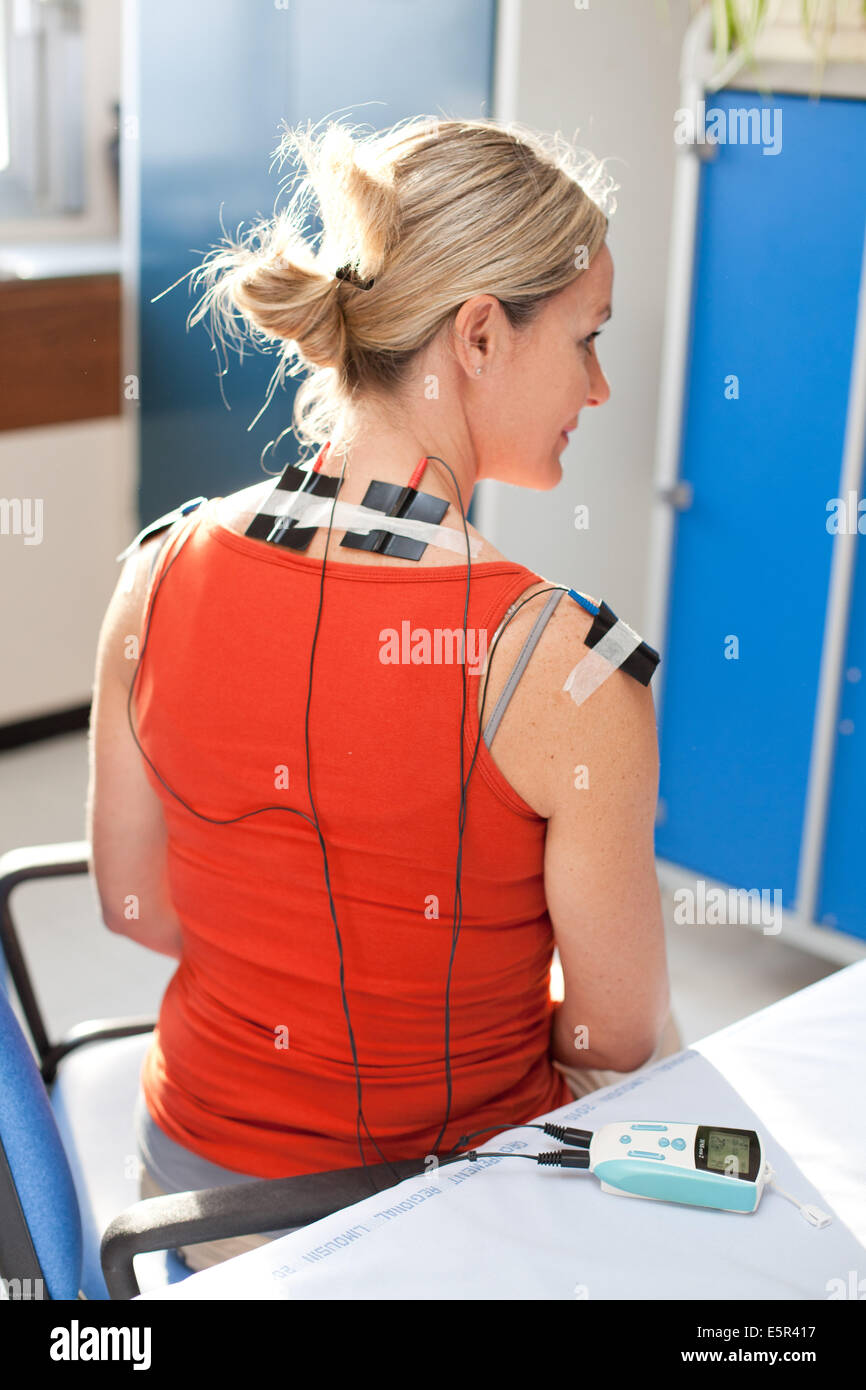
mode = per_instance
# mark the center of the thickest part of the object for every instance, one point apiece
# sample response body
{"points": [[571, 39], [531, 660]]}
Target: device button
{"points": [[678, 1144], [663, 1143], [643, 1153], [637, 1127], [625, 1139]]}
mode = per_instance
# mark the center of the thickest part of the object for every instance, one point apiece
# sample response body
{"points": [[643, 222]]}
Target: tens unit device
{"points": [[670, 1161], [699, 1165]]}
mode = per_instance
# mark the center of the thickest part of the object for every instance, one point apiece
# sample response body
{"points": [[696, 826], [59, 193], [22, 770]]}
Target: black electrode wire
{"points": [[360, 1117], [557, 1158], [457, 920], [461, 816], [463, 803], [551, 588], [490, 1129], [574, 1138], [213, 820], [473, 1156]]}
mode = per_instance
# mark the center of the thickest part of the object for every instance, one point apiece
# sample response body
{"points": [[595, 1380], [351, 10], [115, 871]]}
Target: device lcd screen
{"points": [[728, 1153]]}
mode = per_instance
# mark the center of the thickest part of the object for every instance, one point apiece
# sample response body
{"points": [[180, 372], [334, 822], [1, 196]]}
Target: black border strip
{"points": [[26, 731]]}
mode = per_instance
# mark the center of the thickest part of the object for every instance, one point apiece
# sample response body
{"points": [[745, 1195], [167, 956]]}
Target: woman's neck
{"points": [[390, 456]]}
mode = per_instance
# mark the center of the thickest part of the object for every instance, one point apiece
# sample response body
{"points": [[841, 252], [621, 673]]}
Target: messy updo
{"points": [[434, 212]]}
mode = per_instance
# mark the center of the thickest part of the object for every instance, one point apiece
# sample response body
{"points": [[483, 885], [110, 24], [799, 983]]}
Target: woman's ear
{"points": [[475, 332]]}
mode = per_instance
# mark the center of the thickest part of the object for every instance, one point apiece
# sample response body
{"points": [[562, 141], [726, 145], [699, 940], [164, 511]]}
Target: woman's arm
{"points": [[600, 878], [125, 824]]}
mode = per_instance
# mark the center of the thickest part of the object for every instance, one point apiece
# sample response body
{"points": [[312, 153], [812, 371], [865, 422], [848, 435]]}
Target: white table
{"points": [[512, 1230]]}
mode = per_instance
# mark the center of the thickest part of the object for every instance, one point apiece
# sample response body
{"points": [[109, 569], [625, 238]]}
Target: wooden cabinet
{"points": [[59, 350]]}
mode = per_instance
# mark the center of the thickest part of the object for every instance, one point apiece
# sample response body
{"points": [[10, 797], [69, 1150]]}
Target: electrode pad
{"points": [[349, 516], [397, 501], [613, 644], [292, 481]]}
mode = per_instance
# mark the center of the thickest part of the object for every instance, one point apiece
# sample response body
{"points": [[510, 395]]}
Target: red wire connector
{"points": [[415, 480], [321, 459]]}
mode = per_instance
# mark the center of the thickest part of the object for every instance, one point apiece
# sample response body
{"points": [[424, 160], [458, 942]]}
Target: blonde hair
{"points": [[435, 211]]}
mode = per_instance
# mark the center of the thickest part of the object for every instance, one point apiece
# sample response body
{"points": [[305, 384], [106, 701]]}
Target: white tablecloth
{"points": [[511, 1230]]}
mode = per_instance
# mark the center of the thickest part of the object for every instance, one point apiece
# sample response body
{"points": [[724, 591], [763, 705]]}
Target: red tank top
{"points": [[251, 1063]]}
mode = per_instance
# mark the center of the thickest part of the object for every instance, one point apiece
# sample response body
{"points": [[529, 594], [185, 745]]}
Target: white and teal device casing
{"points": [[700, 1165]]}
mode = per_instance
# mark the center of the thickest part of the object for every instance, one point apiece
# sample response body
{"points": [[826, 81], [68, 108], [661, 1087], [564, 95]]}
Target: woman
{"points": [[465, 334]]}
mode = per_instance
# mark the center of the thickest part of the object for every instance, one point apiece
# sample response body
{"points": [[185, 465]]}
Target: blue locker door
{"points": [[217, 79], [842, 891], [777, 270]]}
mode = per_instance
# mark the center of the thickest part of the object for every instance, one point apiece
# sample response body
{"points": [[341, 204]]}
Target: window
{"points": [[41, 108]]}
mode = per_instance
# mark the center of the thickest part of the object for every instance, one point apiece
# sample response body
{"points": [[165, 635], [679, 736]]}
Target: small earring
{"points": [[477, 371]]}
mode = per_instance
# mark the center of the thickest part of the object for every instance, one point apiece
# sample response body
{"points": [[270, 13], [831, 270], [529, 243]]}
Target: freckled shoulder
{"points": [[556, 652]]}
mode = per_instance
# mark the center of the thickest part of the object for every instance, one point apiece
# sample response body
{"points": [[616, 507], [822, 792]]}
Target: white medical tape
{"points": [[348, 516], [601, 661]]}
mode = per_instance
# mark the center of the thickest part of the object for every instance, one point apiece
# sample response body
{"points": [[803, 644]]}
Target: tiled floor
{"points": [[82, 972]]}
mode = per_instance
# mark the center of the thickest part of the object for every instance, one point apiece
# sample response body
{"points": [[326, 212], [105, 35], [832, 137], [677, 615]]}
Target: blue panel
{"points": [[780, 239], [216, 87], [37, 1163], [842, 893]]}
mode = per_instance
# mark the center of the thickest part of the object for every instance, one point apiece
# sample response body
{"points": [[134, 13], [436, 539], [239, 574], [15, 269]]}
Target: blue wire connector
{"points": [[584, 602]]}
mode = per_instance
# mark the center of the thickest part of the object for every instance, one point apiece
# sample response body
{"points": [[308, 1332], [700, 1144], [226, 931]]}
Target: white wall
{"points": [[54, 593], [606, 76]]}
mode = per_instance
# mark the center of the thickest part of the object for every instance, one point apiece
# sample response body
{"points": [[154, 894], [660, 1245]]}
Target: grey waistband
{"points": [[177, 1169]]}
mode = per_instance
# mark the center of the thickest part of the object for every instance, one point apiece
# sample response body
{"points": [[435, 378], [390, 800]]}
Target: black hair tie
{"points": [[346, 272]]}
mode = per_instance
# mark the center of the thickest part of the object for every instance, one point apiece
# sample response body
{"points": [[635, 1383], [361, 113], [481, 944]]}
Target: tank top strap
{"points": [[521, 663]]}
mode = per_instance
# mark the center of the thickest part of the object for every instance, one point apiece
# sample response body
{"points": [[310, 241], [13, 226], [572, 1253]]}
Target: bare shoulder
{"points": [[121, 626], [601, 721], [545, 735]]}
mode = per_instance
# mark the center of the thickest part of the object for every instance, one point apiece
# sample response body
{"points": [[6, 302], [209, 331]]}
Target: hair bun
{"points": [[358, 202]]}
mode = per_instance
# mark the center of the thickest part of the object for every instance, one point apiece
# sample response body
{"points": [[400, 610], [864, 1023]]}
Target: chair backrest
{"points": [[39, 1213]]}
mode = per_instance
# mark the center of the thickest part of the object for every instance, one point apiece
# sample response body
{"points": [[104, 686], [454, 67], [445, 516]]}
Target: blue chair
{"points": [[68, 1150]]}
